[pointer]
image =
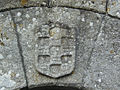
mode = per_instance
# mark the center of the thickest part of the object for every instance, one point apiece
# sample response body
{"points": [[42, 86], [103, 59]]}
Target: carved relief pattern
{"points": [[55, 51]]}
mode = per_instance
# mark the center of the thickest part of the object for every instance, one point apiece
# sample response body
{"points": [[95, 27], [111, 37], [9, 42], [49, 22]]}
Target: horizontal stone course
{"points": [[96, 5]]}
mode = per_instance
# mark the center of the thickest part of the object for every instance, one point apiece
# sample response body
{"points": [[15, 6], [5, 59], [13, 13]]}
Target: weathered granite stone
{"points": [[28, 21], [55, 50], [60, 46], [11, 70], [113, 8], [7, 4], [38, 21], [87, 27], [97, 5], [33, 2], [104, 70]]}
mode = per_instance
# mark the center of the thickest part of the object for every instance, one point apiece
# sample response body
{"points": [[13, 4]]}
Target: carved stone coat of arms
{"points": [[55, 50]]}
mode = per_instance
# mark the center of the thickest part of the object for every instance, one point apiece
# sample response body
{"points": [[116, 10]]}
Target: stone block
{"points": [[61, 36], [96, 5], [11, 68]]}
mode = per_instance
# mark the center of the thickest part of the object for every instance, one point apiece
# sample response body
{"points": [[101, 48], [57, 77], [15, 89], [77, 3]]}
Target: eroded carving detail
{"points": [[55, 50]]}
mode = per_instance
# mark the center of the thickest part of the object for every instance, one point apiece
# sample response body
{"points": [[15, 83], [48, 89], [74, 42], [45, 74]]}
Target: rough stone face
{"points": [[87, 27], [114, 8], [7, 4], [97, 5], [28, 21], [29, 25], [38, 21], [55, 50], [11, 70], [33, 2], [103, 72], [65, 45]]}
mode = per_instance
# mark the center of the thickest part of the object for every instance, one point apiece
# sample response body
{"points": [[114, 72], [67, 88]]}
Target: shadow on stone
{"points": [[54, 88]]}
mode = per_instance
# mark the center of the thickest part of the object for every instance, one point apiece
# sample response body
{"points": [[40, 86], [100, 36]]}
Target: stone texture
{"points": [[97, 5], [28, 22], [113, 8], [33, 2], [103, 72], [95, 44], [11, 70], [86, 25], [55, 50], [8, 4]]}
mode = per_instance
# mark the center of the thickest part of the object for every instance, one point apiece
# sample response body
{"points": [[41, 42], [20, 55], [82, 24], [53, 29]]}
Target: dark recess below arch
{"points": [[54, 88]]}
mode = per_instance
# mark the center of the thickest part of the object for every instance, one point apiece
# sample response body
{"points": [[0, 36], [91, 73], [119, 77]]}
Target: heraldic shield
{"points": [[55, 50]]}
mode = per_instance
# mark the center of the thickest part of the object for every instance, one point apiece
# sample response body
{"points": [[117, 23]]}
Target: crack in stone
{"points": [[115, 17], [80, 8], [20, 50], [100, 28], [18, 38], [49, 6], [48, 3], [89, 59], [106, 7]]}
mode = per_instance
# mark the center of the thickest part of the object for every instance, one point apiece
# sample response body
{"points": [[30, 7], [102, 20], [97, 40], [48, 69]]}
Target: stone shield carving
{"points": [[55, 50]]}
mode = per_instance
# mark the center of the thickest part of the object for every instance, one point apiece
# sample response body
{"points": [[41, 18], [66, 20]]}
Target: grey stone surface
{"points": [[8, 4], [33, 20], [28, 21], [113, 8], [97, 5], [11, 70], [87, 27], [55, 50], [103, 72], [62, 46], [33, 2]]}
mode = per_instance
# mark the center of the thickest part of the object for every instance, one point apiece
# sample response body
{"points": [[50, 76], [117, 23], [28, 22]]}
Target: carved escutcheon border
{"points": [[55, 50]]}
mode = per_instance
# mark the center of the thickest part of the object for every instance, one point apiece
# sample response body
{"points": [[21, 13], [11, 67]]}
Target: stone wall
{"points": [[73, 43]]}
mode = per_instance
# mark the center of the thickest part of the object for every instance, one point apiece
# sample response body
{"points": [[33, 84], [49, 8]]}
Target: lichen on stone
{"points": [[5, 80]]}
